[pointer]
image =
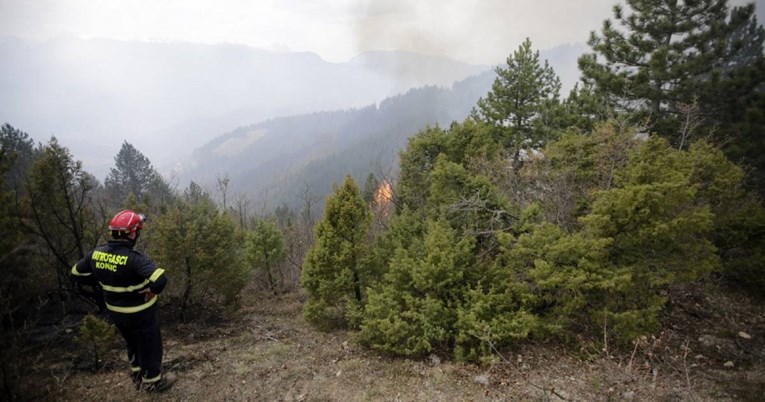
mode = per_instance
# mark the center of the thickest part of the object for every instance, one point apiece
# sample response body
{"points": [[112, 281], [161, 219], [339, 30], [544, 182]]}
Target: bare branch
{"points": [[691, 121], [499, 220]]}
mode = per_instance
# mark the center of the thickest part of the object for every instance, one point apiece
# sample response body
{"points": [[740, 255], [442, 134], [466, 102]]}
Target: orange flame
{"points": [[383, 197]]}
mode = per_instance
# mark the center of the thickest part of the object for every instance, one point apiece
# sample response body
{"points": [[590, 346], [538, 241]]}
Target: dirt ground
{"points": [[712, 348]]}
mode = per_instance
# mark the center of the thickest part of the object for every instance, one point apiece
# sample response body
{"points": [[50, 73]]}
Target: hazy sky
{"points": [[479, 31]]}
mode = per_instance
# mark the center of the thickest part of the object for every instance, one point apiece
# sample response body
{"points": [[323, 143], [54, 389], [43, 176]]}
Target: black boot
{"points": [[163, 384]]}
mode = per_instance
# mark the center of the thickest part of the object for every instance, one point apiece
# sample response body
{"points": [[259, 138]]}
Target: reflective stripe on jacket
{"points": [[122, 272]]}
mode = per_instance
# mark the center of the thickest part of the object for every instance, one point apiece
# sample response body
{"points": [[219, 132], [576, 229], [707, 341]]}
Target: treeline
{"points": [[569, 219], [54, 212]]}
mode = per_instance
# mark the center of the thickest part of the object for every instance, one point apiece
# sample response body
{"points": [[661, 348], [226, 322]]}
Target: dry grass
{"points": [[266, 352]]}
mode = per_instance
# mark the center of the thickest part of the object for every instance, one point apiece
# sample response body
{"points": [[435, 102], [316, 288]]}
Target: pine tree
{"points": [[522, 99], [335, 273], [134, 174], [668, 55]]}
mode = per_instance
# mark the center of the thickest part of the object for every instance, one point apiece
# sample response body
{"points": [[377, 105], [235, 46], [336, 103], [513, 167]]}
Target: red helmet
{"points": [[127, 221]]}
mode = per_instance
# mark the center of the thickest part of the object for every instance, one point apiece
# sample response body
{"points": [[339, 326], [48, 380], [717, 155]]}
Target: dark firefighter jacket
{"points": [[122, 272]]}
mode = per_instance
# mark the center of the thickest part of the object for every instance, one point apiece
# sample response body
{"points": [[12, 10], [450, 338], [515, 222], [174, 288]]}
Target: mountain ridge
{"points": [[169, 98]]}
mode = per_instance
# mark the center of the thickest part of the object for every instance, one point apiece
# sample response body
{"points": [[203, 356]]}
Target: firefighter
{"points": [[131, 282]]}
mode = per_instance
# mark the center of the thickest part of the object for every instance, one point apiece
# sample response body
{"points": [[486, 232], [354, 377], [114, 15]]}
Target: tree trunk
{"points": [[186, 291], [357, 285]]}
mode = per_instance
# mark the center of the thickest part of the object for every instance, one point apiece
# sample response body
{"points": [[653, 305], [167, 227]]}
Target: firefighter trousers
{"points": [[143, 339]]}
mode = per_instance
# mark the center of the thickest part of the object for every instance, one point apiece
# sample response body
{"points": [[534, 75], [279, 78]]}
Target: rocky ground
{"points": [[712, 348]]}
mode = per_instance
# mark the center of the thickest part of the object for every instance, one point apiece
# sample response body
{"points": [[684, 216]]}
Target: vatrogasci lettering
{"points": [[108, 261]]}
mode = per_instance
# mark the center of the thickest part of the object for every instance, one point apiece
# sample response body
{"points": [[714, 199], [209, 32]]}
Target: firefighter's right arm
{"points": [[86, 282]]}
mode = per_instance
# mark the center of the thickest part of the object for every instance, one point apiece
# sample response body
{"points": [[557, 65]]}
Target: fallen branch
{"points": [[629, 365], [552, 390], [264, 336], [685, 366]]}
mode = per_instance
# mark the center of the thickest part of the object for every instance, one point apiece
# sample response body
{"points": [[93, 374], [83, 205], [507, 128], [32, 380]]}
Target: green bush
{"points": [[412, 312], [265, 251], [740, 237], [96, 336], [200, 248]]}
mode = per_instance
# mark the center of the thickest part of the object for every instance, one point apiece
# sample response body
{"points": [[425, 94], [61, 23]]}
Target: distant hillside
{"points": [[170, 98], [275, 159]]}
